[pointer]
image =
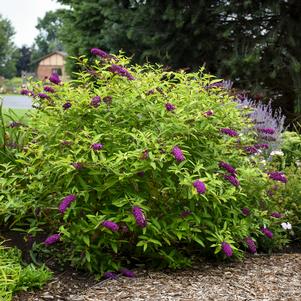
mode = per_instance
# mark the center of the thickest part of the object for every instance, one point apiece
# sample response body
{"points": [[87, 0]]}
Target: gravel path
{"points": [[265, 278]]}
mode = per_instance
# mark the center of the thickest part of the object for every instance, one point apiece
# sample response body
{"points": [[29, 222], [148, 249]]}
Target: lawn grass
{"points": [[14, 114]]}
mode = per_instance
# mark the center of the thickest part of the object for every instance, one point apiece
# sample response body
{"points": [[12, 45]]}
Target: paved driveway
{"points": [[16, 102]]}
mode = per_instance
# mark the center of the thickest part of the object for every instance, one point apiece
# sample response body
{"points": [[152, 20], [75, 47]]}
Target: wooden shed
{"points": [[54, 62]]}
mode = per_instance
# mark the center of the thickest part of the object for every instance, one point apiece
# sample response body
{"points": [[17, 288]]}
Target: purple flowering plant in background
{"points": [[251, 245], [95, 101], [100, 53], [267, 232]]}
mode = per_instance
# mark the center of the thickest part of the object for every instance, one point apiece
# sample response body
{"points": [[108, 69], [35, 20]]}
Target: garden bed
{"points": [[259, 277]]}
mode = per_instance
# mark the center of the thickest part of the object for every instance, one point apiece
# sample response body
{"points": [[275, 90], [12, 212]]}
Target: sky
{"points": [[24, 15]]}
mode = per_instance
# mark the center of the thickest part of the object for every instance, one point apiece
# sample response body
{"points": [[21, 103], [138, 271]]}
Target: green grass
{"points": [[15, 114]]}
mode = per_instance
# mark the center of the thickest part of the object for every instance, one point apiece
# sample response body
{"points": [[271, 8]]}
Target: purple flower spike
{"points": [[227, 249], [25, 92], [276, 215], [232, 179], [268, 233], [229, 132], [251, 150], [67, 105], [141, 174], [261, 146], [49, 89], [121, 71], [208, 113], [268, 131], [139, 217], [229, 168], [52, 239], [110, 275], [200, 186], [169, 106], [97, 146], [278, 176], [54, 78], [95, 102], [178, 154], [251, 245], [246, 211], [145, 155], [100, 53], [66, 202], [77, 165], [111, 226], [107, 100], [127, 273], [43, 96], [185, 213]]}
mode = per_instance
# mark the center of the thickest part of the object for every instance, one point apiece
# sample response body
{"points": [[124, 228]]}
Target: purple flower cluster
{"points": [[268, 131], [278, 176], [54, 78], [251, 245], [77, 165], [232, 179], [268, 233], [139, 216], [67, 105], [49, 89], [97, 146], [229, 132], [178, 154], [66, 202], [261, 146], [52, 239], [246, 211], [276, 215], [227, 249], [43, 96], [229, 168], [26, 92], [100, 53], [185, 213], [110, 225], [110, 275], [199, 186], [95, 101], [208, 113], [121, 71], [251, 149], [169, 106], [127, 273]]}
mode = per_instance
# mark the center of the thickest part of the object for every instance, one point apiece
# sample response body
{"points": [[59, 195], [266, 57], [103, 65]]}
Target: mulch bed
{"points": [[259, 277]]}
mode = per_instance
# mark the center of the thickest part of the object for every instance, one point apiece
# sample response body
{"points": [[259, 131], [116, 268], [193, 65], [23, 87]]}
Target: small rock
{"points": [[47, 296]]}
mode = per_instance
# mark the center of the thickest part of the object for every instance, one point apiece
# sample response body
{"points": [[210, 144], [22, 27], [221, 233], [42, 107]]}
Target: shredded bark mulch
{"points": [[260, 277]]}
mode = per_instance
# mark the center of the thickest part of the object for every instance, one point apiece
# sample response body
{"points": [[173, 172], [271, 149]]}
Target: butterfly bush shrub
{"points": [[131, 163]]}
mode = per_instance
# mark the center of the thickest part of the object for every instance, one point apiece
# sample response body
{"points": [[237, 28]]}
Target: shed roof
{"points": [[64, 54]]}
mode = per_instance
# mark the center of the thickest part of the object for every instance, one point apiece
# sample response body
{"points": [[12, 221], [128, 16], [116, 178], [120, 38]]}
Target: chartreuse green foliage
{"points": [[14, 277], [116, 153]]}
